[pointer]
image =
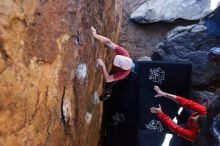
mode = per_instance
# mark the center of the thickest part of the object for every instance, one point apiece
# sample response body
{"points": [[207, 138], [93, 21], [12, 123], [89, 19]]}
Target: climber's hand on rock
{"points": [[101, 63], [93, 31]]}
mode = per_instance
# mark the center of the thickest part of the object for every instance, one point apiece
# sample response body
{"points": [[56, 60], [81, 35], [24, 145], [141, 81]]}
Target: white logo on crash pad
{"points": [[117, 118], [154, 125], [157, 75]]}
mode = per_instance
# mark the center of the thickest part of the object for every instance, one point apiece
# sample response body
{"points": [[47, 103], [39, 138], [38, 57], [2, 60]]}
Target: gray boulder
{"points": [[144, 58], [202, 96], [191, 44], [170, 10]]}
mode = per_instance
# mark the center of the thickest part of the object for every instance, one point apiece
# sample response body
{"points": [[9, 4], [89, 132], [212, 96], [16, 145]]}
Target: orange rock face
{"points": [[49, 80]]}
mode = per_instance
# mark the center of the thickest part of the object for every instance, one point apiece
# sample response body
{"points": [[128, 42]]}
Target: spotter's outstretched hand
{"points": [[159, 92], [155, 110]]}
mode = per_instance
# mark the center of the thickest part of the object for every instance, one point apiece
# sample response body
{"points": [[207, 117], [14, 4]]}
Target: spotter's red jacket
{"points": [[191, 131]]}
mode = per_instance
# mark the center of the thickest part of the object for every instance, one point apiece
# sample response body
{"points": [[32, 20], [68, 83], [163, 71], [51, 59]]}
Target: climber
{"points": [[122, 63], [195, 122]]}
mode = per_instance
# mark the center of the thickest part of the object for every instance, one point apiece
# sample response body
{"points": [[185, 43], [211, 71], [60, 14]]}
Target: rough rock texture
{"points": [[202, 96], [170, 10], [49, 83], [139, 39], [191, 44], [144, 58]]}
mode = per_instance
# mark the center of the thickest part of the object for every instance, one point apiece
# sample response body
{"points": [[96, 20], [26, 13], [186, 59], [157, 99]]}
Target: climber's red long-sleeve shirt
{"points": [[120, 73], [191, 132]]}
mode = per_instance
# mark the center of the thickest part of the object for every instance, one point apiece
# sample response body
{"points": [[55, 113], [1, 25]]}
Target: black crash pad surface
{"points": [[127, 120]]}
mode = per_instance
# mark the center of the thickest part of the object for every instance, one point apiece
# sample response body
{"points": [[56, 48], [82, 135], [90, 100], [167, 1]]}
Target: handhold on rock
{"points": [[77, 38]]}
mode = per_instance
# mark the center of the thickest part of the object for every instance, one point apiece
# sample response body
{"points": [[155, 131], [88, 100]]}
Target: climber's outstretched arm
{"points": [[103, 39], [160, 93], [108, 78], [186, 133], [190, 104]]}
